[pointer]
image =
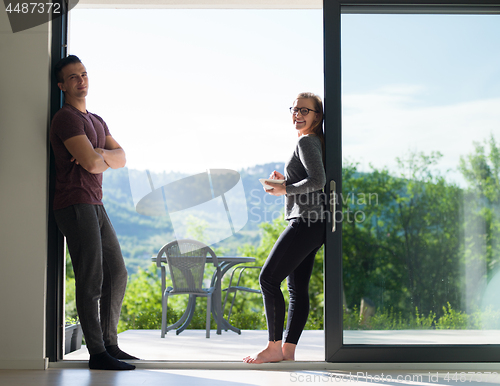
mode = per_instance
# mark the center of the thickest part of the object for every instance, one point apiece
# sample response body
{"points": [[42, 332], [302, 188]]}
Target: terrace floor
{"points": [[192, 345]]}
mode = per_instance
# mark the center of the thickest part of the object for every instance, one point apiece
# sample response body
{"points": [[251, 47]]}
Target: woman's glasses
{"points": [[304, 110]]}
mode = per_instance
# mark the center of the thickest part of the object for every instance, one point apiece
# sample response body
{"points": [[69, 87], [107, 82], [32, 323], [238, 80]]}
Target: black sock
{"points": [[104, 361], [115, 352]]}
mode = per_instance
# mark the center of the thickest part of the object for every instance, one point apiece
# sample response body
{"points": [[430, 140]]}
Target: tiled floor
{"points": [[81, 377]]}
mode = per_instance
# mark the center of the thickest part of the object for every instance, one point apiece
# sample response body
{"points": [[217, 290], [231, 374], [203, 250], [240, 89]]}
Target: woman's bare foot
{"points": [[288, 351], [272, 353]]}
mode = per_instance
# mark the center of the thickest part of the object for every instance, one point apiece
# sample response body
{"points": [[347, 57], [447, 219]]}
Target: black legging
{"points": [[292, 257]]}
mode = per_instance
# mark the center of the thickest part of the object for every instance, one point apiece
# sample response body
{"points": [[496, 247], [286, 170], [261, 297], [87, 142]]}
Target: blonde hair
{"points": [[317, 128]]}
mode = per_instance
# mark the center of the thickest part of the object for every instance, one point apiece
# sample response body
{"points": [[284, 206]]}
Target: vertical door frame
{"points": [[332, 263], [54, 314]]}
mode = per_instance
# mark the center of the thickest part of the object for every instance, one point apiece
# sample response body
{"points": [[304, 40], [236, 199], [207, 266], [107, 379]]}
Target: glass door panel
{"points": [[421, 179]]}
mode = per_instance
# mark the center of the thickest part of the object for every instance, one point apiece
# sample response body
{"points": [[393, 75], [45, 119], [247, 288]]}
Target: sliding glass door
{"points": [[416, 113]]}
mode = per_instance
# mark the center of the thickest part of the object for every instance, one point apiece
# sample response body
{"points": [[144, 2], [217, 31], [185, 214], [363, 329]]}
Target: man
{"points": [[83, 150]]}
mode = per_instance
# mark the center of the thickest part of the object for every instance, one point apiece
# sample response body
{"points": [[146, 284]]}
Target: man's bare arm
{"points": [[85, 155], [112, 153]]}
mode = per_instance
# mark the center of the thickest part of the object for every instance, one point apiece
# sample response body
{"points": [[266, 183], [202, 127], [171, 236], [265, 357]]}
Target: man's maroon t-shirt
{"points": [[75, 185]]}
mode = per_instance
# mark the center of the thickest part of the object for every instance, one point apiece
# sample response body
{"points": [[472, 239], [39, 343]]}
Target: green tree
{"points": [[400, 236], [481, 170]]}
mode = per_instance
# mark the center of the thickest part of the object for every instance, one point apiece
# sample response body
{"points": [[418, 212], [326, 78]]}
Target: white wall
{"points": [[24, 117]]}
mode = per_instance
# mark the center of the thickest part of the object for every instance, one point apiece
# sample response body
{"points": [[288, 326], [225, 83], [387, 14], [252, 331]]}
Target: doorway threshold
{"points": [[192, 350]]}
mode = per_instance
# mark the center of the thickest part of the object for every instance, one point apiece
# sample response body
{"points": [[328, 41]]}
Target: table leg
{"points": [[217, 311]]}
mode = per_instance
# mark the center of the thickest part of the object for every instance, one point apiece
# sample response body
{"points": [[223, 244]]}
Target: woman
{"points": [[292, 256]]}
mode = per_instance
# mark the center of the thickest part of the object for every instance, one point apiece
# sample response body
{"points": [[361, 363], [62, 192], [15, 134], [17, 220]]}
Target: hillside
{"points": [[142, 236]]}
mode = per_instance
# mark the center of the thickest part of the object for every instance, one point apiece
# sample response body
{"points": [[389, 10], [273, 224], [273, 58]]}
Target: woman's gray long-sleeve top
{"points": [[305, 178]]}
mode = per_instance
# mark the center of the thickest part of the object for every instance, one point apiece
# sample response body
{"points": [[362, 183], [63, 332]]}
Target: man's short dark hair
{"points": [[63, 63]]}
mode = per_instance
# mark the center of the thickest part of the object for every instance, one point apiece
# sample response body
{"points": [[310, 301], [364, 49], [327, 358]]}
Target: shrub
{"points": [[452, 320]]}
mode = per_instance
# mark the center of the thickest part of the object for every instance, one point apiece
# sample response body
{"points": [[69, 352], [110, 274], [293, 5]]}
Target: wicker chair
{"points": [[186, 261]]}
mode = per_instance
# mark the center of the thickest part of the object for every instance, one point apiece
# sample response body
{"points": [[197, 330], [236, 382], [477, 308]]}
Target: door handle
{"points": [[333, 203]]}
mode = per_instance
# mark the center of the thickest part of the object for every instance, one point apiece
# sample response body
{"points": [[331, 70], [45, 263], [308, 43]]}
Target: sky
{"points": [[419, 83], [188, 90]]}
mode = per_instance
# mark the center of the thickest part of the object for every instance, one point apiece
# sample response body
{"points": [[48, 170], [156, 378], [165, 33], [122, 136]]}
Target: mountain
{"points": [[142, 236]]}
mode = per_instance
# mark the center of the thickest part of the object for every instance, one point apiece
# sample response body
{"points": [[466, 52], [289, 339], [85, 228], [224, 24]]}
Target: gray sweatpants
{"points": [[100, 273]]}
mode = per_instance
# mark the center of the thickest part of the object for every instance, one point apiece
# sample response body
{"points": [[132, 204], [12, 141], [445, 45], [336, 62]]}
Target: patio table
{"points": [[225, 264]]}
